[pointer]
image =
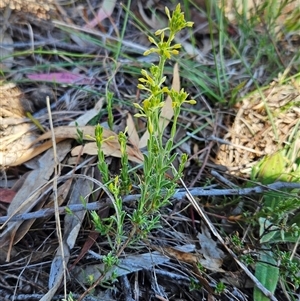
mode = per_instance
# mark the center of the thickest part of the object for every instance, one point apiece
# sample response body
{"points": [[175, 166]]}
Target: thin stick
{"points": [[56, 207], [179, 194]]}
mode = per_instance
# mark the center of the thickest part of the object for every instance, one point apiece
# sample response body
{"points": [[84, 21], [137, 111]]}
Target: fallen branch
{"points": [[179, 194]]}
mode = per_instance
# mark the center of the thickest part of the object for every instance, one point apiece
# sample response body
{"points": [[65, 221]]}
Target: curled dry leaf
{"points": [[28, 196], [16, 133], [110, 147], [190, 258], [88, 115], [178, 254], [66, 132]]}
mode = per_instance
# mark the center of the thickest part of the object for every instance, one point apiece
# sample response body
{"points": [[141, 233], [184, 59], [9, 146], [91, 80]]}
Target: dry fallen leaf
{"points": [[110, 147], [6, 195], [133, 136], [28, 195], [177, 254], [88, 115], [129, 264], [186, 257], [16, 133], [210, 251], [61, 78], [57, 270]]}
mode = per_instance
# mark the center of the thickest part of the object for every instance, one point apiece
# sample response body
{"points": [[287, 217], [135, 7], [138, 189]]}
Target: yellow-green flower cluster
{"points": [[153, 82]]}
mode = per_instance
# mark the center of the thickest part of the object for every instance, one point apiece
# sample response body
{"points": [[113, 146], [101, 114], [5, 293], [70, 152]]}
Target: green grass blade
{"points": [[267, 273]]}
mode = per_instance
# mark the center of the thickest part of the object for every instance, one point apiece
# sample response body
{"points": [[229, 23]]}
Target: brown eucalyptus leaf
{"points": [[88, 115], [27, 197], [110, 149], [82, 188], [213, 256], [6, 195], [65, 132], [131, 129]]}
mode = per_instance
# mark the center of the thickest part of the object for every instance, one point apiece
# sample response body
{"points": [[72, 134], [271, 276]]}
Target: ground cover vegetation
{"points": [[150, 150]]}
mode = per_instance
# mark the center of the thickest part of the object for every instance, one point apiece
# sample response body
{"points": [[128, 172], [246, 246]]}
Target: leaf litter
{"points": [[76, 90]]}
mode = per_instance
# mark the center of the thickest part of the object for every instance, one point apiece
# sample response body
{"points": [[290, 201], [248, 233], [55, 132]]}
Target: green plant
{"points": [[200, 267], [159, 159], [79, 134], [155, 187], [69, 297], [247, 259], [109, 101], [220, 288], [194, 285], [279, 217], [102, 166], [237, 242], [289, 267]]}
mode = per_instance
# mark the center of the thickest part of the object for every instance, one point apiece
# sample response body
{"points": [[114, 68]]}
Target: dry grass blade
{"points": [[63, 253], [72, 225]]}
